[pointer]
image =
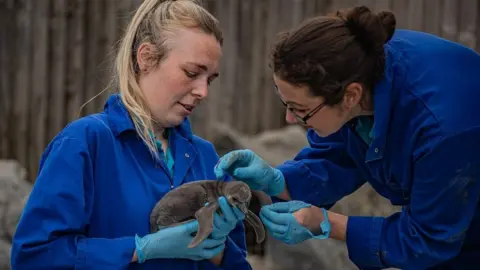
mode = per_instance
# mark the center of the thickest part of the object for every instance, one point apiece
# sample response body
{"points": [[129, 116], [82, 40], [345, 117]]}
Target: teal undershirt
{"points": [[364, 128], [168, 157]]}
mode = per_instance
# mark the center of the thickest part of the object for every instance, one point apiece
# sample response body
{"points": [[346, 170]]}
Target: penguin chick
{"points": [[187, 202]]}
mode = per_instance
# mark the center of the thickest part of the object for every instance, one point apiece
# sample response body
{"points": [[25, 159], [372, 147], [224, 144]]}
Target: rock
{"points": [[4, 255], [275, 147], [14, 190]]}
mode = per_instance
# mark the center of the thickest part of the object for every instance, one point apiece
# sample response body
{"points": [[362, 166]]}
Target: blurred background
{"points": [[55, 55]]}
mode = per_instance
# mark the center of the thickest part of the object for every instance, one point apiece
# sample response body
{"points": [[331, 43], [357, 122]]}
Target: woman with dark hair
{"points": [[395, 108]]}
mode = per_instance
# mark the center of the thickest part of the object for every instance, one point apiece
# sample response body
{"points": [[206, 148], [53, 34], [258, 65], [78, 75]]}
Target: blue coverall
{"points": [[424, 155], [96, 186]]}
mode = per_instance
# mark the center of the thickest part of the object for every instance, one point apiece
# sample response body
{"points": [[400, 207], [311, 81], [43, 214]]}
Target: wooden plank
{"points": [[297, 12], [477, 30], [12, 49], [342, 4], [230, 59], [242, 104], [381, 5], [433, 17], [468, 23], [309, 9], [323, 6], [450, 19], [7, 45], [92, 56], [258, 62], [58, 26], [76, 54], [111, 50], [266, 97], [400, 9], [40, 73], [3, 78], [105, 52], [123, 16], [21, 102], [371, 4], [102, 69], [415, 12]]}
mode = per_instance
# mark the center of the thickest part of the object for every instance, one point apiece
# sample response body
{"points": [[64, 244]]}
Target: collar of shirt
{"points": [[383, 102], [121, 122]]}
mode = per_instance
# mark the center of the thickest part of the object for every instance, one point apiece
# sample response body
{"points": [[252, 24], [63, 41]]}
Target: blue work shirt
{"points": [[96, 186], [424, 156]]}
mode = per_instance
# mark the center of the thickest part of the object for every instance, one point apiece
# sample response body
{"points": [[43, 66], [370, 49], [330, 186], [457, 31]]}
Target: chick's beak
{"points": [[243, 207]]}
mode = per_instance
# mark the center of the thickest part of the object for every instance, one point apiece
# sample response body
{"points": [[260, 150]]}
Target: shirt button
{"points": [[376, 150], [171, 186], [187, 155]]}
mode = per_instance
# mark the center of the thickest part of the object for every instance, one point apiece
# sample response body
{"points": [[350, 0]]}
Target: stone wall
{"points": [[14, 190]]}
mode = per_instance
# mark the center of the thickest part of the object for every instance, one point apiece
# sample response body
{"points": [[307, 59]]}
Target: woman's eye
{"points": [[210, 80], [190, 74], [293, 110]]}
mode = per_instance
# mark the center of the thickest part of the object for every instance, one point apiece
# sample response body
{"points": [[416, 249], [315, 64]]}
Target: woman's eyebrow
{"points": [[293, 103], [205, 68]]}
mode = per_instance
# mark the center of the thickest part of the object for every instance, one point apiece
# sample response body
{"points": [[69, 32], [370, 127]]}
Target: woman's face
{"points": [[177, 85], [327, 119]]}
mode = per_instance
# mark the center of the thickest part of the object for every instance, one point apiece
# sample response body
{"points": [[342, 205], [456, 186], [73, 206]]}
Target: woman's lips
{"points": [[189, 108]]}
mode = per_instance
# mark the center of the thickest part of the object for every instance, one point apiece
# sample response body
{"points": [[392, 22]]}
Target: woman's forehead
{"points": [[292, 94], [197, 47]]}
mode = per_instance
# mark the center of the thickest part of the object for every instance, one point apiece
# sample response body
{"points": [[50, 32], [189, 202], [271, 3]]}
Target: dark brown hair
{"points": [[328, 52]]}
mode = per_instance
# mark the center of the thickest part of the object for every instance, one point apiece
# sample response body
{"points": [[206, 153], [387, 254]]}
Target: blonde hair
{"points": [[154, 22]]}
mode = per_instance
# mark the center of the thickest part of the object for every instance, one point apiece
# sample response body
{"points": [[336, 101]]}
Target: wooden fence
{"points": [[56, 54]]}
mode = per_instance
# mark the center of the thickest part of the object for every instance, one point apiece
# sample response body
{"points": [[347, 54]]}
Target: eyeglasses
{"points": [[302, 120]]}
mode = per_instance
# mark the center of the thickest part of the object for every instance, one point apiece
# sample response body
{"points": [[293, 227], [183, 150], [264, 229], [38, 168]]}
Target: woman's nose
{"points": [[290, 118], [201, 91]]}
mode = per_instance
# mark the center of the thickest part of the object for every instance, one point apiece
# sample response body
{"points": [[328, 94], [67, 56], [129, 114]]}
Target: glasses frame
{"points": [[302, 120]]}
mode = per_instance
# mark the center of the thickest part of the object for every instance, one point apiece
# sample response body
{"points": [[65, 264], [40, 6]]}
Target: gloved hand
{"points": [[224, 224], [279, 220], [246, 166], [172, 243]]}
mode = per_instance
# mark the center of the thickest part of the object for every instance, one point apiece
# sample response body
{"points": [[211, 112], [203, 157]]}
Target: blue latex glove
{"points": [[225, 223], [280, 222], [172, 243], [246, 166]]}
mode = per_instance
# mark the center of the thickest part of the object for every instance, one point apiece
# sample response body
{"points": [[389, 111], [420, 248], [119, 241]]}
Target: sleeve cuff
{"points": [[300, 186], [96, 253], [363, 241], [296, 179]]}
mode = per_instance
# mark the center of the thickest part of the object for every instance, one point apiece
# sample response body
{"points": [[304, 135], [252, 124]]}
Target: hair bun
{"points": [[389, 23], [372, 30]]}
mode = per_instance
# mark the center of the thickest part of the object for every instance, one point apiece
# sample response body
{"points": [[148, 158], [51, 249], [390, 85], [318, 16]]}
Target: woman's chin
{"points": [[321, 133], [175, 120]]}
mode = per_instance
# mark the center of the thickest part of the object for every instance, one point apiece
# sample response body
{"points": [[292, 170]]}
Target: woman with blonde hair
{"points": [[101, 175]]}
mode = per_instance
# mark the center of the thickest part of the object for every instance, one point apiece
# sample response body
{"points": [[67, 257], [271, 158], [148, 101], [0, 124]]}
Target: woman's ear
{"points": [[144, 57], [353, 95]]}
